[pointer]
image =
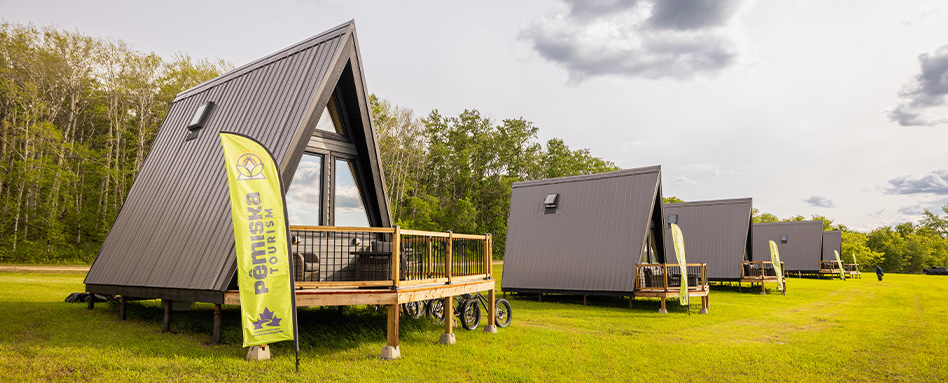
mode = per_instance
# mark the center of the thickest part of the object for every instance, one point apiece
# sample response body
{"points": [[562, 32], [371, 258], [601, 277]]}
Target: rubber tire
{"points": [[414, 309], [504, 313], [435, 311], [470, 314]]}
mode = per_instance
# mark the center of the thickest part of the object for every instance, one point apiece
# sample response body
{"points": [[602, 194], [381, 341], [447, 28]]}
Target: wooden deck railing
{"points": [[665, 277], [829, 267], [332, 256], [762, 270]]}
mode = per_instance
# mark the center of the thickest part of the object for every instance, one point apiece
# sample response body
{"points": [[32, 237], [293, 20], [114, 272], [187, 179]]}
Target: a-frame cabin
{"points": [[584, 234], [716, 232], [173, 238], [308, 105]]}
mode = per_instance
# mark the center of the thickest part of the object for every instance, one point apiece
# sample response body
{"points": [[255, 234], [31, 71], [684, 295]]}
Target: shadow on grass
{"points": [[639, 305], [322, 330]]}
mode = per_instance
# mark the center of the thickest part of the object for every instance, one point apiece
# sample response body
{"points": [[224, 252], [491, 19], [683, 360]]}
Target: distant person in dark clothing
{"points": [[879, 272]]}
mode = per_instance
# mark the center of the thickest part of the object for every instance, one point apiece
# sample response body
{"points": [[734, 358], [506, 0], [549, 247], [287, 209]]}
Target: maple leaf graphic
{"points": [[258, 324], [275, 322]]}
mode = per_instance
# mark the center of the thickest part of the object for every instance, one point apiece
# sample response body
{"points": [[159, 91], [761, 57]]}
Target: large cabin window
{"points": [[304, 197], [349, 208]]}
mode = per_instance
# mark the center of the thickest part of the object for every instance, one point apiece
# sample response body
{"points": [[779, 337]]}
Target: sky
{"points": [[810, 107]]}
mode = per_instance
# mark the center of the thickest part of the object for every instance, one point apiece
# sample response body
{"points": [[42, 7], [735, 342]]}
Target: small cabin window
{"points": [[783, 238], [551, 200], [197, 121]]}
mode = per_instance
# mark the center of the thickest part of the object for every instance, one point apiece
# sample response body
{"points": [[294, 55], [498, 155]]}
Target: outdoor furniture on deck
{"points": [[761, 272], [663, 280]]}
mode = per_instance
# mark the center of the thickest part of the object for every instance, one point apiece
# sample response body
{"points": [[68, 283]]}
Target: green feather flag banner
{"points": [[842, 273], [775, 259], [679, 241]]}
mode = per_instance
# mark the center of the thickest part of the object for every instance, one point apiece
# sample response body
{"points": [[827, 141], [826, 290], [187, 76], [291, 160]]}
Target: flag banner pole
{"points": [[679, 242], [775, 260], [839, 262], [261, 239]]}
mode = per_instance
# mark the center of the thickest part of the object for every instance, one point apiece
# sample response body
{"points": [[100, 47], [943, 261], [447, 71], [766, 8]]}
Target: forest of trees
{"points": [[79, 115]]}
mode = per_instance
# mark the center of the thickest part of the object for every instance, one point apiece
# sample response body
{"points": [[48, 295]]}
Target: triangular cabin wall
{"points": [[173, 238]]}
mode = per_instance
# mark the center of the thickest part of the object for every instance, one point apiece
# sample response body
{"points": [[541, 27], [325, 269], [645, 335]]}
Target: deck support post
{"points": [[448, 337], [123, 303], [390, 350], [166, 324], [216, 329], [704, 305], [491, 313], [763, 288], [663, 310]]}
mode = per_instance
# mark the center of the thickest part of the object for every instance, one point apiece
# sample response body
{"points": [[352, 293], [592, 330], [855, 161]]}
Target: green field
{"points": [[823, 330]]}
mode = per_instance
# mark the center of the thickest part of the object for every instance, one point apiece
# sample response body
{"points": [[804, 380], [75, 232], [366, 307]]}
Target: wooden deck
{"points": [[339, 296], [759, 272], [658, 280]]}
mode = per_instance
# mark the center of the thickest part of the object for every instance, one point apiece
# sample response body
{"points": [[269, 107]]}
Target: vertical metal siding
{"points": [[594, 239], [175, 230], [803, 249], [832, 240], [715, 232]]}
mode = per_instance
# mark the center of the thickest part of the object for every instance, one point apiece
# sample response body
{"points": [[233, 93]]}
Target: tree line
{"points": [[904, 248], [77, 116], [456, 172]]}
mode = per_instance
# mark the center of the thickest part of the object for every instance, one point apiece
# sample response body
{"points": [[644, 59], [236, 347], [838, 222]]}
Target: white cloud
{"points": [[679, 39]]}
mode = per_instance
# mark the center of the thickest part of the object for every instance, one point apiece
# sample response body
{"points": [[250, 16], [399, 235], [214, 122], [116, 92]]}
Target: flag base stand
{"points": [[261, 352], [390, 352]]}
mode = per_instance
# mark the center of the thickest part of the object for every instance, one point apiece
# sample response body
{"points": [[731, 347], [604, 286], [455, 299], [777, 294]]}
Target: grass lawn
{"points": [[824, 330]]}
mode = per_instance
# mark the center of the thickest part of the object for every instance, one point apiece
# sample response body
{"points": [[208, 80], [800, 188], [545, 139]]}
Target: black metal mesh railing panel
{"points": [[467, 257], [425, 256], [341, 256]]}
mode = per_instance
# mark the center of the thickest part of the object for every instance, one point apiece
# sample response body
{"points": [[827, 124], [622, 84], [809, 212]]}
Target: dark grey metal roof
{"points": [[832, 240], [594, 238], [803, 249], [174, 230], [715, 232]]}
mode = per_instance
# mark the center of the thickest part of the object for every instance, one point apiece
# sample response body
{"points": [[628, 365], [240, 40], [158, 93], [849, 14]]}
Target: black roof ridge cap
{"points": [[790, 223], [299, 46], [729, 201], [588, 177]]}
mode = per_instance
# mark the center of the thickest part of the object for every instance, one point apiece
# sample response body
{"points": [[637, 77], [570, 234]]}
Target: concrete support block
{"points": [[390, 352], [704, 310], [490, 329], [662, 311], [261, 352], [447, 339]]}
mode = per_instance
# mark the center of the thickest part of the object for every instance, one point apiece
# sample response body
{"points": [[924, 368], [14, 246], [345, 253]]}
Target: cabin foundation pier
{"points": [[123, 303], [166, 323], [491, 327], [448, 337], [216, 330], [390, 350]]}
